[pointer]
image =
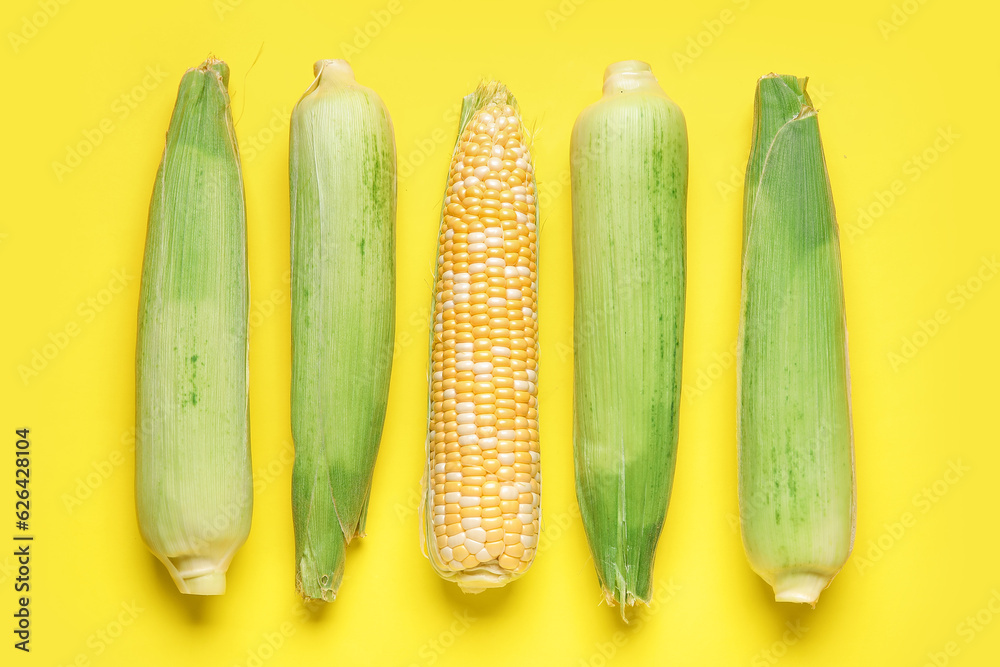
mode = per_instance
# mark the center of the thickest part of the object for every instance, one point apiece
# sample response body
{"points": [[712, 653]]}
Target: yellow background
{"points": [[71, 248]]}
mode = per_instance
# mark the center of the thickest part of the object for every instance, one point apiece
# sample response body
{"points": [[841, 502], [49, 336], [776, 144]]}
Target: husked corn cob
{"points": [[796, 457], [342, 167], [482, 483], [193, 483], [629, 177]]}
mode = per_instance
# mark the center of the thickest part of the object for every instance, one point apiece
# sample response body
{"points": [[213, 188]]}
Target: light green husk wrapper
{"points": [[342, 170], [629, 179], [796, 457], [193, 483]]}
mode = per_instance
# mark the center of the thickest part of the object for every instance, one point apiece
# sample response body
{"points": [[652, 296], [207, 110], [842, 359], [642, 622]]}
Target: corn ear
{"points": [[342, 172], [796, 460], [193, 478], [481, 509], [629, 181]]}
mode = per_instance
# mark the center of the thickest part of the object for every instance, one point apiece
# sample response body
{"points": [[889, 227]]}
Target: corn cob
{"points": [[796, 459], [193, 479], [482, 482], [629, 180], [342, 169]]}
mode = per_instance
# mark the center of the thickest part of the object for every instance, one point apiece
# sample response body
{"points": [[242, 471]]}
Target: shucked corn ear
{"points": [[796, 457], [194, 488], [629, 175], [342, 168], [482, 483]]}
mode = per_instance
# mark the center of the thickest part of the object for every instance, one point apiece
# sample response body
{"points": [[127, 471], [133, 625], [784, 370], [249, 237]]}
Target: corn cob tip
{"points": [[628, 594], [485, 94], [320, 561], [802, 80], [219, 67], [338, 68], [323, 589], [628, 75], [330, 75], [777, 86], [626, 66], [628, 604]]}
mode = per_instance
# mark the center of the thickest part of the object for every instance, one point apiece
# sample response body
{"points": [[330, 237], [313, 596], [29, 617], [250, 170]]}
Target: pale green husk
{"points": [[629, 180], [193, 484], [342, 171], [796, 467]]}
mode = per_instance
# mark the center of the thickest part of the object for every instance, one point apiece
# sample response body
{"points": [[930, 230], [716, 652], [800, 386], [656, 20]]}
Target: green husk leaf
{"points": [[629, 182], [193, 477], [342, 173], [778, 99], [796, 471]]}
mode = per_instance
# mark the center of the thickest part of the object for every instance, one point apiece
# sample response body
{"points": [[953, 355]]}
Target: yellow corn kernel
{"points": [[484, 353]]}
